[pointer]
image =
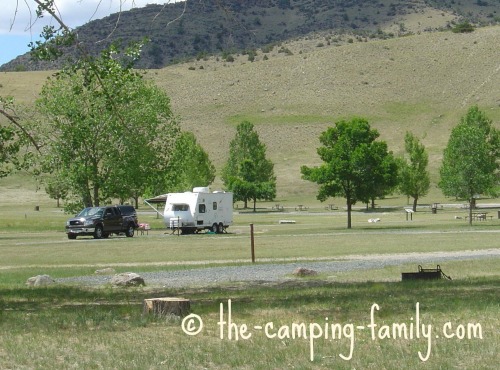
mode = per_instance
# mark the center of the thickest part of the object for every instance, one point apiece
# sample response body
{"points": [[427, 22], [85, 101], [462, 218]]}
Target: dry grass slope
{"points": [[422, 83]]}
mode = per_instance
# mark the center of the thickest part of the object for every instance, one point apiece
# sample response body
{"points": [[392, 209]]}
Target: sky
{"points": [[18, 26]]}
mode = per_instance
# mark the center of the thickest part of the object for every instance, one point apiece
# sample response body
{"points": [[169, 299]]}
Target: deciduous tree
{"points": [[189, 167], [352, 163], [109, 131], [414, 179], [248, 173], [471, 160]]}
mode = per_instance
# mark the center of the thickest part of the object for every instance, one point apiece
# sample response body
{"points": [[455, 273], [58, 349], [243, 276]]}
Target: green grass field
{"points": [[353, 319], [421, 83]]}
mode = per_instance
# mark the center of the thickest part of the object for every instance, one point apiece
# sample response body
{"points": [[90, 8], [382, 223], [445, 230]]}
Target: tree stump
{"points": [[161, 307]]}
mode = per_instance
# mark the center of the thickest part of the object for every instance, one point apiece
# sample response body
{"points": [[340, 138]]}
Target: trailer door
{"points": [[201, 214]]}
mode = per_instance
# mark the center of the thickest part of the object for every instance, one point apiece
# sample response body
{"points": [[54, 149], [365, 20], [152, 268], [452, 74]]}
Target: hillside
{"points": [[195, 29], [422, 83]]}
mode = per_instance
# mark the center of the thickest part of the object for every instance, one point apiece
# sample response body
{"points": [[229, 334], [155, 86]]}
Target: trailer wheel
{"points": [[221, 228], [215, 228]]}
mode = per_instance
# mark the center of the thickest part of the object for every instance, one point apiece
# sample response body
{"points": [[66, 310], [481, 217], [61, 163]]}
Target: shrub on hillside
{"points": [[463, 27]]}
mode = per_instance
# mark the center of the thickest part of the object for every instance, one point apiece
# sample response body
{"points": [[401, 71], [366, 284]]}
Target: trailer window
{"points": [[201, 208], [180, 207], [214, 206]]}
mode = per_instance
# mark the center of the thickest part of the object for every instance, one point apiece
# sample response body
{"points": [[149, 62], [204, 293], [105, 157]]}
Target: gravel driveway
{"points": [[282, 271]]}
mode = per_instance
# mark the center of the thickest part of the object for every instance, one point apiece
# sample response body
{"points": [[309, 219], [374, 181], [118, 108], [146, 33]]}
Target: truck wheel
{"points": [[72, 236], [98, 232], [130, 231]]}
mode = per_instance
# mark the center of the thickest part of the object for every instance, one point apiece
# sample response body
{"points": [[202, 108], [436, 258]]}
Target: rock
{"points": [[304, 272], [127, 279], [106, 271], [40, 280]]}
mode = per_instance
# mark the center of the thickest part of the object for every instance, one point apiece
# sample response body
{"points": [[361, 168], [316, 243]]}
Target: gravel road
{"points": [[282, 271]]}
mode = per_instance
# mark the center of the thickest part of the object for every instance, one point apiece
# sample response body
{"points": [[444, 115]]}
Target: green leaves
{"points": [[414, 179], [355, 166], [248, 173], [471, 159], [111, 133]]}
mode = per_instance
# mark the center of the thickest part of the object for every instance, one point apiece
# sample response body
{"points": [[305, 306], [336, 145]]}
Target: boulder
{"points": [[127, 279], [304, 272], [40, 280]]}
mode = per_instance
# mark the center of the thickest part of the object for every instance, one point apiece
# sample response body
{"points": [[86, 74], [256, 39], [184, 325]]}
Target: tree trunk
{"points": [[161, 307], [415, 200], [471, 205], [349, 208]]}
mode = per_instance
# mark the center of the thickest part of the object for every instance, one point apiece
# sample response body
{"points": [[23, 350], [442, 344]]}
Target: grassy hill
{"points": [[194, 29], [420, 83]]}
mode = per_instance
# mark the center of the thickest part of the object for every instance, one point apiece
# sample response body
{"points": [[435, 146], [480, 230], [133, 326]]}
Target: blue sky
{"points": [[18, 26]]}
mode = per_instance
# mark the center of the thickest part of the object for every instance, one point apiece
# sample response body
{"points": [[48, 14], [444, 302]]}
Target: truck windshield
{"points": [[180, 207], [91, 211]]}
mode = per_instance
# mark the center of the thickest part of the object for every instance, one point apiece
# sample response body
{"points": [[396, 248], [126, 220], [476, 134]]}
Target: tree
{"points": [[9, 149], [189, 167], [471, 159], [56, 189], [414, 180], [352, 160], [109, 132], [381, 172], [248, 173], [15, 140]]}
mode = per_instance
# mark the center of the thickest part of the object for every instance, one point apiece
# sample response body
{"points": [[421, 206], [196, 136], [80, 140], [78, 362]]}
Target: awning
{"points": [[157, 199]]}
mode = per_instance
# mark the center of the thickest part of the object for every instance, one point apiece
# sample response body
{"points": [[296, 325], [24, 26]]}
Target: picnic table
{"points": [[300, 207], [479, 216]]}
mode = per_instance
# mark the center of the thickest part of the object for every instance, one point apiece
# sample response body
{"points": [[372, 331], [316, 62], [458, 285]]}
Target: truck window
{"points": [[201, 208], [214, 206]]}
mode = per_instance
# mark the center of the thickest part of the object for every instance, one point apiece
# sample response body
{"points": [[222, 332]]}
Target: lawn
{"points": [[351, 319]]}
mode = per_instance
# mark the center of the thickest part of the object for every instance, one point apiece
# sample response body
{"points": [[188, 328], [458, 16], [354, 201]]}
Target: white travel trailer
{"points": [[198, 210]]}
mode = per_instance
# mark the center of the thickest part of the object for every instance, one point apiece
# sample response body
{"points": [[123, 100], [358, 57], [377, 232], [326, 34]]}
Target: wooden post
{"points": [[252, 244], [161, 307]]}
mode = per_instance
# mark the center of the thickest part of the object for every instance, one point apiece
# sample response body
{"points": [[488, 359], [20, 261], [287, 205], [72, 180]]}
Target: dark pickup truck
{"points": [[100, 222]]}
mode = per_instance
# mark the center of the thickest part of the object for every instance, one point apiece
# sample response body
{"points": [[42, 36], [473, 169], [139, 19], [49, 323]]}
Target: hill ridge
{"points": [[183, 31]]}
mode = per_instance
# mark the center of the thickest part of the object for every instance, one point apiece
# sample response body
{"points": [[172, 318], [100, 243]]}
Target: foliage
{"points": [[355, 166], [248, 173], [110, 132], [464, 27], [414, 180], [189, 167], [382, 168], [9, 148], [57, 189], [471, 158], [13, 138]]}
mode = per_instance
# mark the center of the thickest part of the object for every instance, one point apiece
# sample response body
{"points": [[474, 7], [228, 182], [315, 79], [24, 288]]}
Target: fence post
{"points": [[252, 244]]}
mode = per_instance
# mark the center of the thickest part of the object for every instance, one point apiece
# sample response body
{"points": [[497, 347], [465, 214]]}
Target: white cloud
{"points": [[18, 16]]}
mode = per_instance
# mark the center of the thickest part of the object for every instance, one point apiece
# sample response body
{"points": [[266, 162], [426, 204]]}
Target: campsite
{"points": [[284, 285], [77, 323]]}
